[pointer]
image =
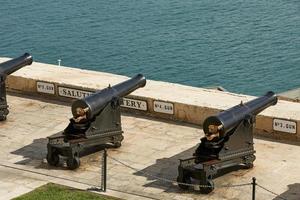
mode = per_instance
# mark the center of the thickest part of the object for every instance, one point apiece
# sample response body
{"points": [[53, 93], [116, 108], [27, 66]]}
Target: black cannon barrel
{"points": [[96, 102], [230, 118], [13, 65]]}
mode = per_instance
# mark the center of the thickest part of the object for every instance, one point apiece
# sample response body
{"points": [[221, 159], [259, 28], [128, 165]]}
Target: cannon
{"points": [[7, 68], [96, 121], [227, 145]]}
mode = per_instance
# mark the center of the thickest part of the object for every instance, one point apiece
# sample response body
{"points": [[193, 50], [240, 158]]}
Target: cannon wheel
{"points": [[184, 179], [117, 144], [73, 163], [248, 161], [209, 189], [2, 118], [117, 141], [248, 165], [53, 159]]}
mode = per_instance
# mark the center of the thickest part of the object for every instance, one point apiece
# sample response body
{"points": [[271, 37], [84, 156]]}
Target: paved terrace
{"points": [[151, 146]]}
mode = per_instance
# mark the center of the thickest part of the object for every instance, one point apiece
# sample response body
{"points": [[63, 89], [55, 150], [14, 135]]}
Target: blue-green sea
{"points": [[246, 46]]}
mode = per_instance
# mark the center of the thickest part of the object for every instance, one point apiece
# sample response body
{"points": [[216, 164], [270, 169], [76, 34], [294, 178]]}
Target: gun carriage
{"points": [[96, 120], [7, 68], [228, 142]]}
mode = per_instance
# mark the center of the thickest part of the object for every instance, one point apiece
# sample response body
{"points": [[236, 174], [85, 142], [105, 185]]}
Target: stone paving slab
{"points": [[12, 183], [151, 146]]}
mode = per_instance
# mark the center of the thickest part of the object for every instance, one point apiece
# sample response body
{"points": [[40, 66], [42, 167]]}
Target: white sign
{"points": [[163, 107], [284, 126], [133, 103], [73, 93], [44, 87]]}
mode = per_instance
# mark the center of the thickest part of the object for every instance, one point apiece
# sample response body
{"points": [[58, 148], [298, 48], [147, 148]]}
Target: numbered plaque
{"points": [[44, 87], [163, 107], [286, 126]]}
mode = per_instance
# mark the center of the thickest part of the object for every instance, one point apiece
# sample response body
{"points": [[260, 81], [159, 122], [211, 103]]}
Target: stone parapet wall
{"points": [[158, 99]]}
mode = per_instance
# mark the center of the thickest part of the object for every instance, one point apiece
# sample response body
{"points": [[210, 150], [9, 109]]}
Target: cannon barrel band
{"points": [[15, 64], [225, 121], [94, 103]]}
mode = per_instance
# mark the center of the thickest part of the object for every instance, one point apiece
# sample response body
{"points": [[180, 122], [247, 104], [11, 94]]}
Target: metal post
{"points": [[104, 170], [253, 187]]}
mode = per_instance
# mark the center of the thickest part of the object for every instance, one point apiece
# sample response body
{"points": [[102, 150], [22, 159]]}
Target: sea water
{"points": [[245, 46]]}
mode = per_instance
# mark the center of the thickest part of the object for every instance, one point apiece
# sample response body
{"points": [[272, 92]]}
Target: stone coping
{"points": [[157, 99]]}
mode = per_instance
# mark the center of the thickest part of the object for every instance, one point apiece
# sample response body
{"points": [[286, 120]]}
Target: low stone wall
{"points": [[158, 99]]}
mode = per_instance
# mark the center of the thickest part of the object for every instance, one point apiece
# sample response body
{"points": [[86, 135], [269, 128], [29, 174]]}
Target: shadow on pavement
{"points": [[165, 168], [37, 150], [35, 154], [293, 193]]}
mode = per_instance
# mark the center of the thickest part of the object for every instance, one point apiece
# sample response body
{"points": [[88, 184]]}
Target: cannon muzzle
{"points": [[93, 104], [13, 65], [219, 125]]}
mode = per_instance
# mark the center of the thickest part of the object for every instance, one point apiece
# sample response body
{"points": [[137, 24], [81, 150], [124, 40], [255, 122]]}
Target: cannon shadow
{"points": [[165, 170], [293, 193], [35, 154], [36, 151]]}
